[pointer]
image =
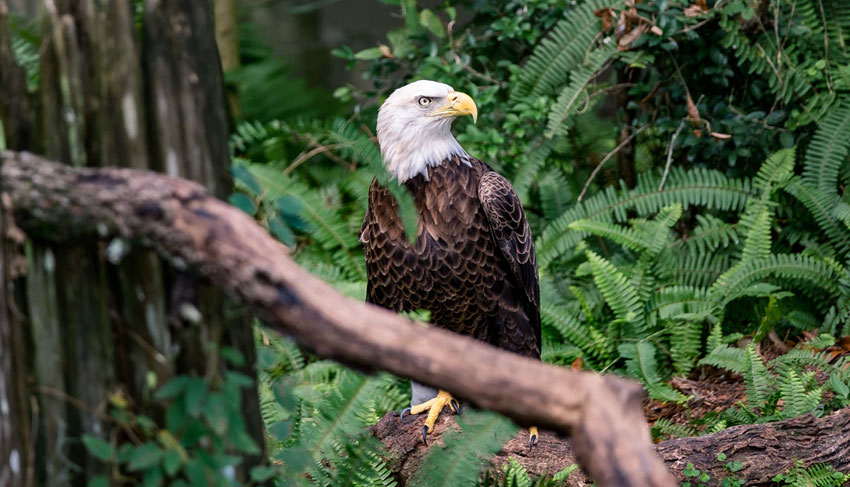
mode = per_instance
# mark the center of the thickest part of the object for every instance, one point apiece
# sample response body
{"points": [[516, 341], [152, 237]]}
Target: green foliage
{"points": [[199, 443], [514, 475], [459, 463], [818, 475], [25, 44], [737, 225], [318, 415]]}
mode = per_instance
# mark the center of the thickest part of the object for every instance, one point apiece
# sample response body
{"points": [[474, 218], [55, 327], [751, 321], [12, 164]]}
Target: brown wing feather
{"points": [[381, 233], [510, 231]]}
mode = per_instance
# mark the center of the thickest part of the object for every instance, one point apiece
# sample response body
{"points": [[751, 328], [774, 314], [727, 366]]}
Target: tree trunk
{"points": [[763, 450], [149, 99]]}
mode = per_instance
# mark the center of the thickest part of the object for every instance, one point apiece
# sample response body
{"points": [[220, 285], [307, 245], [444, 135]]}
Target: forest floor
{"points": [[714, 390]]}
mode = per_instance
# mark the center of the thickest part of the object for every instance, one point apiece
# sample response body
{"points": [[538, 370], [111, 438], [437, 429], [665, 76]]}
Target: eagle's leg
{"points": [[532, 436], [434, 407]]}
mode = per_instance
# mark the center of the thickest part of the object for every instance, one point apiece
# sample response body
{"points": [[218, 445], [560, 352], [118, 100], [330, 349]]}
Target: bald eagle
{"points": [[472, 264]]}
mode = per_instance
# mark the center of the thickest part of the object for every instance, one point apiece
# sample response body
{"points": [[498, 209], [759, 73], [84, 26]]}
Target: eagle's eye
{"points": [[424, 101]]}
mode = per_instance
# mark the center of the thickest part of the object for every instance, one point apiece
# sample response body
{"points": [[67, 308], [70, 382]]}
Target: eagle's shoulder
{"points": [[382, 215]]}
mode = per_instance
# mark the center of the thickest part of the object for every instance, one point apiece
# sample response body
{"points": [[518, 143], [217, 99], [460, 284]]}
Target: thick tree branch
{"points": [[185, 224], [763, 450]]}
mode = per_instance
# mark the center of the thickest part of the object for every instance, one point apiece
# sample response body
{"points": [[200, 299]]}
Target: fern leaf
{"points": [[685, 345], [627, 237], [701, 187], [670, 303], [757, 240], [828, 149], [810, 271], [328, 228], [641, 363], [821, 205], [529, 168], [728, 358], [695, 270], [777, 170], [574, 95], [560, 52], [757, 379], [618, 292], [460, 461], [710, 233], [796, 401]]}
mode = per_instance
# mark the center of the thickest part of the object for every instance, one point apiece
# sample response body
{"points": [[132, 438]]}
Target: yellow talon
{"points": [[532, 436], [434, 407]]}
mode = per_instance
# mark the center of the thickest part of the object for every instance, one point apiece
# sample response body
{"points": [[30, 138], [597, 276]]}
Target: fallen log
{"points": [[763, 450], [184, 223]]}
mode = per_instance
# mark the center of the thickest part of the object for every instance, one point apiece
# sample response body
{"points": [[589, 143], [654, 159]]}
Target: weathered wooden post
{"points": [[86, 318]]}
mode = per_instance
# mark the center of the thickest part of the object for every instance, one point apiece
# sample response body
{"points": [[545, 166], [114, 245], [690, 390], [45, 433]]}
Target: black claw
{"points": [[425, 434], [532, 441], [403, 412], [455, 407]]}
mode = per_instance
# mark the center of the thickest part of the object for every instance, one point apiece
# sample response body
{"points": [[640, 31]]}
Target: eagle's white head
{"points": [[414, 127]]}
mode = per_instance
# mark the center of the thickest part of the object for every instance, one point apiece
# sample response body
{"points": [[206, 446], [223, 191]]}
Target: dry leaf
{"points": [[385, 50], [656, 30], [693, 111], [719, 136], [607, 16], [694, 11], [577, 364], [702, 4], [626, 41]]}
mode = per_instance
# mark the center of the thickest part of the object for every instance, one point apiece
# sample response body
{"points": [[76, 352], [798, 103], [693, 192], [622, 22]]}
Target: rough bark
{"points": [[764, 450], [183, 222], [17, 447]]}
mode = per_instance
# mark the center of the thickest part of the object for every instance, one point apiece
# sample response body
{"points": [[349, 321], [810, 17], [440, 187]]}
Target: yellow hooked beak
{"points": [[457, 104]]}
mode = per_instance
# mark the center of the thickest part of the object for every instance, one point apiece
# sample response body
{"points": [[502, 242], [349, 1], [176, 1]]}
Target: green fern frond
{"points": [[728, 358], [560, 52], [575, 94], [327, 227], [695, 187], [460, 461], [515, 475], [698, 270], [555, 198], [796, 401], [828, 149], [757, 379], [757, 240], [710, 233], [795, 267], [674, 302], [627, 237], [567, 326], [776, 170], [619, 293], [531, 165], [641, 363], [685, 345], [664, 429], [818, 475], [25, 44], [822, 204], [756, 52]]}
